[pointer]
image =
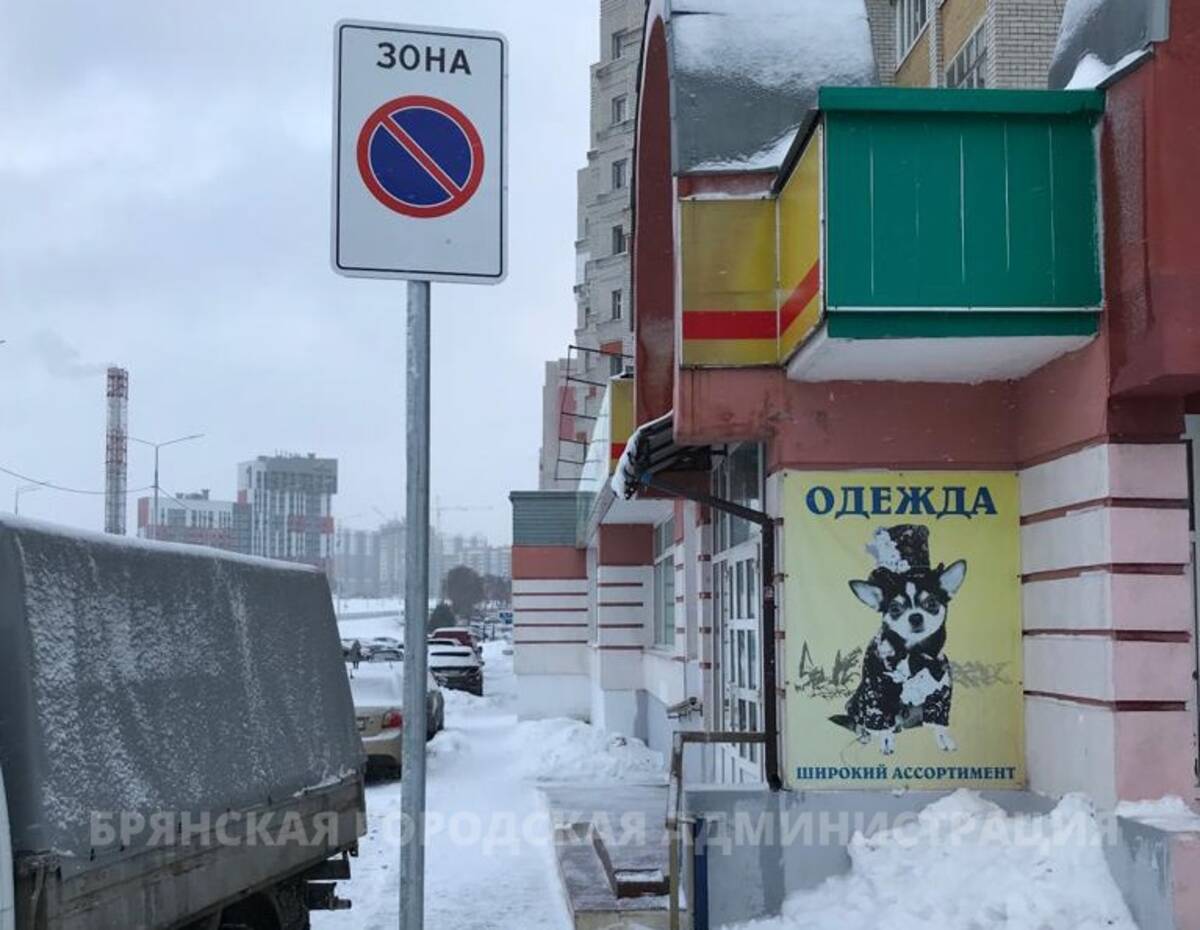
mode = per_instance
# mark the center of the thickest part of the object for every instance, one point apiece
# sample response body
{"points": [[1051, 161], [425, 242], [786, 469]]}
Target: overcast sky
{"points": [[164, 205]]}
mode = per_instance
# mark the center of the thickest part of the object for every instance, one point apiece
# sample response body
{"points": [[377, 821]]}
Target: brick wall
{"points": [[882, 17], [1023, 36]]}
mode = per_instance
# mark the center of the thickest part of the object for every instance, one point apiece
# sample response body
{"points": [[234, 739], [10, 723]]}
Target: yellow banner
{"points": [[801, 304], [902, 614], [728, 283]]}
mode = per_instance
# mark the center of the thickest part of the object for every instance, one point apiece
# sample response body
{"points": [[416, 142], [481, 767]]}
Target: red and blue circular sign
{"points": [[420, 156]]}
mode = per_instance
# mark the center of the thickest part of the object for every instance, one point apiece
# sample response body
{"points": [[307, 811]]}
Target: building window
{"points": [[739, 479], [618, 240], [617, 42], [664, 583], [969, 67], [620, 174], [911, 17], [617, 301], [620, 109]]}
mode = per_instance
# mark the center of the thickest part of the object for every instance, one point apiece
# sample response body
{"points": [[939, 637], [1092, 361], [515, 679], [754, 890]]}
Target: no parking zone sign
{"points": [[420, 153]]}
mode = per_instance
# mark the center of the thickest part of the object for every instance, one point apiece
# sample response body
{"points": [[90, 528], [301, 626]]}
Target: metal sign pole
{"points": [[416, 612]]}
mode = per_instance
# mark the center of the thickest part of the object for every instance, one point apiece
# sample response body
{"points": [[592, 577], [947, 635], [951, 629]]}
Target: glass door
{"points": [[736, 575]]}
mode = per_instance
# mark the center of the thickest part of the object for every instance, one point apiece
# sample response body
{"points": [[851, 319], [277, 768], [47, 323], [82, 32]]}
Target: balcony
{"points": [[913, 235]]}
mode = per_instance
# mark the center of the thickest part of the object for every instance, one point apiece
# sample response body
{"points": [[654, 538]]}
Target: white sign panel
{"points": [[420, 174]]}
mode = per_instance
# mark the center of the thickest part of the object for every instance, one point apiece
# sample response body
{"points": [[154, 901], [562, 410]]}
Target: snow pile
{"points": [[964, 864], [1169, 813], [564, 750], [461, 700], [447, 744], [789, 45]]}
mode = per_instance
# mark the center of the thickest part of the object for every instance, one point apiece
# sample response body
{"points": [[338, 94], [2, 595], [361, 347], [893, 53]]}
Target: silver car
{"points": [[378, 691]]}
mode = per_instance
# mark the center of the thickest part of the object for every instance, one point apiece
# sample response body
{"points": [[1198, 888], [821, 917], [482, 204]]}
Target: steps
{"points": [[612, 861]]}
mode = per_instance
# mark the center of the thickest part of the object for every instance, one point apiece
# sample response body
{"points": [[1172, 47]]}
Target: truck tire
{"points": [[255, 913]]}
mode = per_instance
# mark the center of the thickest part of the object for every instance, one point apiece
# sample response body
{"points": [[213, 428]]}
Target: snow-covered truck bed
{"points": [[177, 737]]}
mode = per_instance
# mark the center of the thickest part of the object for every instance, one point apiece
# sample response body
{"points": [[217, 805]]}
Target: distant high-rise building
{"points": [[357, 563], [477, 554], [194, 518], [392, 547], [290, 502]]}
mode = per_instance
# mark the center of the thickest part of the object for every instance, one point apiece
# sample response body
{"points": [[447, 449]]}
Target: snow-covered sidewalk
{"points": [[489, 858]]}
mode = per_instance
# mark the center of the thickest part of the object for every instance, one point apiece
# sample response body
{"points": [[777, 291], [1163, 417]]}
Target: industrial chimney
{"points": [[116, 449]]}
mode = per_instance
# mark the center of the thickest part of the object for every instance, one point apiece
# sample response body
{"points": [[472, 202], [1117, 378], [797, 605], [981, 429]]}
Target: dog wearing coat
{"points": [[906, 679]]}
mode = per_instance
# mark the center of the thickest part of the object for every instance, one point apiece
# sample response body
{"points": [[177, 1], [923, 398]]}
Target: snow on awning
{"points": [[744, 74], [1100, 38], [652, 450]]}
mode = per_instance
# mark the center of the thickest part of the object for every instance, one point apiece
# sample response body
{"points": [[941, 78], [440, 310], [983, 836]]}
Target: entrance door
{"points": [[737, 604]]}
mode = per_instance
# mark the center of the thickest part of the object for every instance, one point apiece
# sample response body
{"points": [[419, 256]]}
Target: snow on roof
{"points": [[1076, 14], [1092, 73], [150, 545], [1099, 33], [793, 45], [745, 73], [769, 156], [115, 653]]}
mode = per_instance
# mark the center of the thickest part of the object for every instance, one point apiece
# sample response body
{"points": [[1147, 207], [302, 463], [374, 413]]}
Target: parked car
{"points": [[375, 649], [378, 691], [460, 634], [456, 666]]}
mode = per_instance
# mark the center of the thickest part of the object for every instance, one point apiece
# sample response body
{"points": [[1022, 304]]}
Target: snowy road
{"points": [[489, 860]]}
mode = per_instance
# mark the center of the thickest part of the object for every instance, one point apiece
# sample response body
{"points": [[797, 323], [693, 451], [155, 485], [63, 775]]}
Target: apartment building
{"points": [[574, 386], [356, 563], [965, 43], [477, 554], [558, 458], [290, 502], [194, 518]]}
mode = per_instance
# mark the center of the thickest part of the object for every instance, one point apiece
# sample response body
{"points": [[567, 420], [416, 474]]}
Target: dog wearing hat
{"points": [[906, 680]]}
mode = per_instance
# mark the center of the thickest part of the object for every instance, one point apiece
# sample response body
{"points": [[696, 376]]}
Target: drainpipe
{"points": [[771, 696]]}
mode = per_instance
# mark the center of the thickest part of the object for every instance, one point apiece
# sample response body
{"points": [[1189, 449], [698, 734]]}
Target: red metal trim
{"points": [[1120, 636], [1117, 706], [1125, 568], [805, 291], [730, 324], [1116, 503]]}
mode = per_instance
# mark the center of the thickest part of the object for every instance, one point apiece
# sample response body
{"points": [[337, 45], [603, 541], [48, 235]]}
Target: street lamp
{"points": [[156, 446], [23, 489]]}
